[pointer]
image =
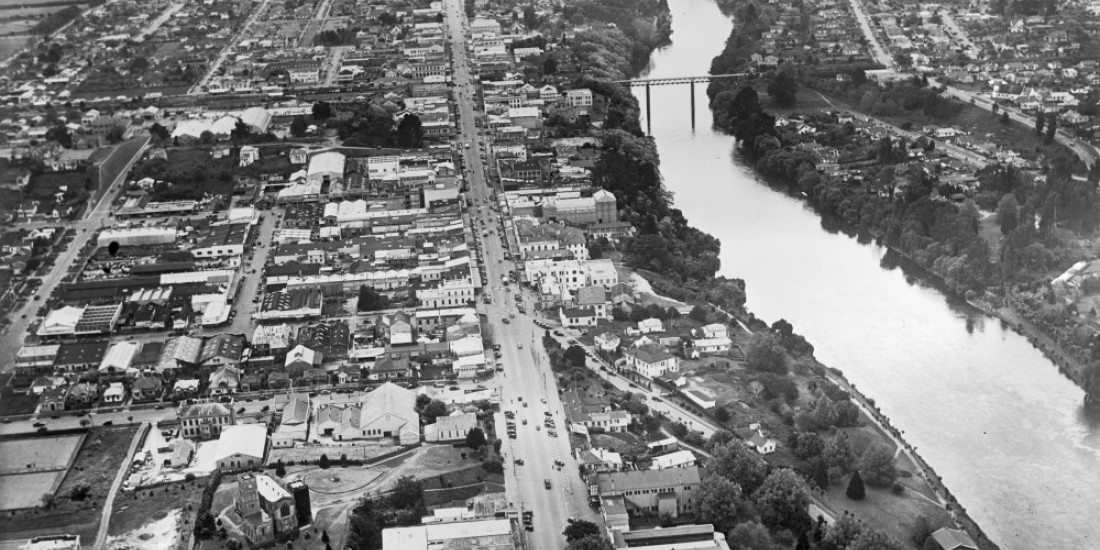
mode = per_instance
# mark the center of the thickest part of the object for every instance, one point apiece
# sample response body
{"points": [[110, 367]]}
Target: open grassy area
{"points": [[95, 466], [888, 512], [135, 509], [12, 402]]}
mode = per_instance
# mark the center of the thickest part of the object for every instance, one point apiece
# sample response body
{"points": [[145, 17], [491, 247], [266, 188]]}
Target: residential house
{"points": [[651, 325], [450, 428], [147, 388], [224, 381], [650, 361], [678, 459], [953, 539], [763, 444], [52, 400], [578, 317]]}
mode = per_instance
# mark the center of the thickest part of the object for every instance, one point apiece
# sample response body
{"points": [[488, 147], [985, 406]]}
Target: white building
{"points": [[136, 236], [452, 293], [326, 167], [241, 447], [679, 459], [450, 428]]}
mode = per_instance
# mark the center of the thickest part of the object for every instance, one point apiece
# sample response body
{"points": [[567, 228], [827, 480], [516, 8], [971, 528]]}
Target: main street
{"points": [[527, 386], [22, 317]]}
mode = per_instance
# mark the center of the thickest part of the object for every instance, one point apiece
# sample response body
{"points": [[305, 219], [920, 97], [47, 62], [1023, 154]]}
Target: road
{"points": [[527, 386], [200, 86], [12, 338], [881, 54], [1087, 152], [156, 24]]}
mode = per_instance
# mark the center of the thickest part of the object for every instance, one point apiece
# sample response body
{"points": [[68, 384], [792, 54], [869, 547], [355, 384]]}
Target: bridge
{"points": [[691, 81]]}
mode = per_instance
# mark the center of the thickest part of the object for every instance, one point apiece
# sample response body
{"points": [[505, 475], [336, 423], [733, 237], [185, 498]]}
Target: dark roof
{"points": [[293, 269], [81, 353]]}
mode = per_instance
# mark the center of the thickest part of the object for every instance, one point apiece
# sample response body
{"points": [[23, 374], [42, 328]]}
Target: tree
{"points": [[903, 59], [422, 401], [855, 490], [116, 134], [1052, 129], [280, 468], [475, 438], [1004, 118], [838, 453], [1008, 213], [591, 542], [579, 528], [80, 492], [207, 137], [843, 532], [60, 134], [493, 465], [299, 127], [872, 539], [550, 65], [408, 494], [877, 465], [371, 300], [806, 445], [698, 314], [240, 132], [435, 409], [205, 527], [322, 110], [722, 415], [324, 462], [751, 535], [765, 353], [530, 18], [782, 500], [920, 531], [160, 132], [783, 86], [1040, 120], [738, 463], [721, 502], [410, 132], [575, 355]]}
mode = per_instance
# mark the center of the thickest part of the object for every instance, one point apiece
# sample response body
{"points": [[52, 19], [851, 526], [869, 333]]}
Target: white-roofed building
{"points": [[119, 358], [61, 321], [241, 447], [679, 459], [257, 119], [387, 412], [326, 167], [497, 534], [450, 428], [136, 236]]}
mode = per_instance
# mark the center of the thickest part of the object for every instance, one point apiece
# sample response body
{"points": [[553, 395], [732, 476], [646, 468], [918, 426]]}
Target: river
{"points": [[984, 408]]}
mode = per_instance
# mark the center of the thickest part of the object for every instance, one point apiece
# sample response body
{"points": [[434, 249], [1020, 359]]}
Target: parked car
{"points": [[546, 482]]}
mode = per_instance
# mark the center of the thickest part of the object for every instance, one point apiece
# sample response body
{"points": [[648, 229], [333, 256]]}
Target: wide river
{"points": [[988, 411]]}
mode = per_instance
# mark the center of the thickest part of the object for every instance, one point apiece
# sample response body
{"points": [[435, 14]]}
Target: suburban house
{"points": [[225, 380], [763, 444], [954, 539], [607, 341], [651, 325], [578, 317], [650, 361]]}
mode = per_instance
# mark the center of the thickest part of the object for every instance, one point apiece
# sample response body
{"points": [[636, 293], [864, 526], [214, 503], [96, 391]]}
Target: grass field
{"points": [[139, 508], [96, 465], [12, 402], [19, 491], [10, 45], [45, 453]]}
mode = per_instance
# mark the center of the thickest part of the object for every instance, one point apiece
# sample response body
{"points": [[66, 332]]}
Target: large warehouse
{"points": [[136, 236]]}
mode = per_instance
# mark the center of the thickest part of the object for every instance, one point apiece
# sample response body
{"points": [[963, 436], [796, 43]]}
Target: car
{"points": [[524, 421], [5, 420], [546, 482], [108, 423], [159, 407], [552, 433], [519, 462], [547, 413], [42, 429], [525, 404], [520, 345], [38, 424], [529, 527], [543, 400], [537, 428], [240, 410], [505, 320]]}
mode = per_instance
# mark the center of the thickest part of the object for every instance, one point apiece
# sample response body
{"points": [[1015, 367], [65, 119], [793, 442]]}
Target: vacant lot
{"points": [[95, 467], [41, 453], [137, 509]]}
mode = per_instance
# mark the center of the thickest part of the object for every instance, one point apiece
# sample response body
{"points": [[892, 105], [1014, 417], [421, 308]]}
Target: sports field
{"points": [[32, 468]]}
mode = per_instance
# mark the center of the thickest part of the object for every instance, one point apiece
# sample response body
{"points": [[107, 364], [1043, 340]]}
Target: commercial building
{"points": [[205, 420], [651, 492], [326, 167], [495, 534], [136, 236], [683, 537], [450, 428], [242, 447], [303, 302], [387, 412]]}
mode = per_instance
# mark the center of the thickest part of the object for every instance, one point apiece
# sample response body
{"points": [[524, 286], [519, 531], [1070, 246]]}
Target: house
{"points": [[650, 361], [301, 359], [147, 388], [679, 459], [185, 388], [715, 330], [651, 492], [595, 297], [80, 395], [52, 400], [700, 398], [387, 412], [391, 368], [578, 317], [450, 428], [663, 445], [183, 450], [224, 381], [205, 420], [249, 154], [651, 325], [115, 393], [607, 341], [348, 374], [44, 383], [241, 447], [763, 445], [579, 97], [263, 509], [609, 459], [953, 539]]}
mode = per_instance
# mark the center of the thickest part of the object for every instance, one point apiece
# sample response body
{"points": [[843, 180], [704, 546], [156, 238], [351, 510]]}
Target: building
{"points": [[954, 539], [241, 447], [53, 542], [679, 459], [650, 361], [119, 358], [651, 325], [264, 509], [579, 97], [293, 422], [301, 359], [494, 534], [205, 420], [578, 317], [763, 444], [326, 167], [450, 428], [302, 302], [651, 492], [225, 380], [387, 412], [451, 293], [136, 236], [685, 537]]}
